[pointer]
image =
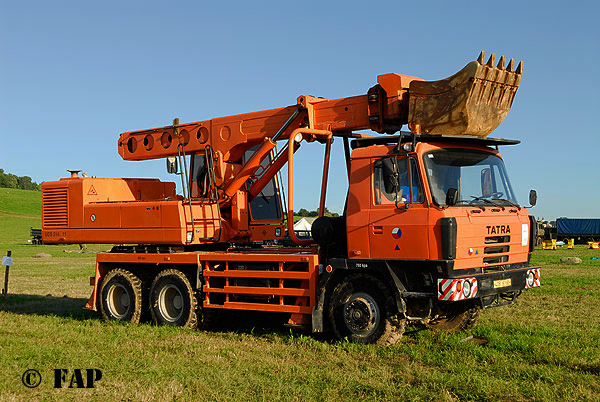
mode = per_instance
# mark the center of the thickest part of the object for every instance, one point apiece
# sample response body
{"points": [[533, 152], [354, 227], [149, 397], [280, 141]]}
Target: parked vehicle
{"points": [[582, 230], [431, 232]]}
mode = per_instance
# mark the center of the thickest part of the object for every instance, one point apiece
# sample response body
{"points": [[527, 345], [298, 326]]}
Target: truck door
{"points": [[398, 218]]}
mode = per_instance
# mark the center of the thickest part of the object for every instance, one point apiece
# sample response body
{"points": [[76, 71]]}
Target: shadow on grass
{"points": [[250, 322], [268, 325], [256, 323], [46, 305]]}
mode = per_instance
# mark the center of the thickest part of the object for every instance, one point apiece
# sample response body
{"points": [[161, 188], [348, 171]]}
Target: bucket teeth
{"points": [[481, 57], [520, 68], [501, 63], [511, 66], [474, 101]]}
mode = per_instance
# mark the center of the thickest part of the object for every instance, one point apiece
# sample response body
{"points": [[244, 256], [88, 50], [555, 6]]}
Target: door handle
{"points": [[377, 229]]}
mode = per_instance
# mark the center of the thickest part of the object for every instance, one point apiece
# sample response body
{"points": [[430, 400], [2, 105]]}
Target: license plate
{"points": [[502, 283]]}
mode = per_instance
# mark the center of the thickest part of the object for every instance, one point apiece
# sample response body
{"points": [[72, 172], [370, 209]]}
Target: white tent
{"points": [[303, 225]]}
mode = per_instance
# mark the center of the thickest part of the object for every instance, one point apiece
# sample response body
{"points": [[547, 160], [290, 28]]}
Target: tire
{"points": [[173, 301], [121, 296], [362, 310], [456, 318]]}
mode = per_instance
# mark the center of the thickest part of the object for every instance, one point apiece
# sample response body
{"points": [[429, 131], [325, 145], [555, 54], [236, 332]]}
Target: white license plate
{"points": [[502, 283]]}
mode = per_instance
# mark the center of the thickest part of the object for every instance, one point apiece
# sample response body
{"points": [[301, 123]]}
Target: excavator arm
{"points": [[473, 101]]}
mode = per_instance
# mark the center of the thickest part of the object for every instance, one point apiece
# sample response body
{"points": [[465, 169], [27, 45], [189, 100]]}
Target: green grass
{"points": [[21, 202], [546, 347], [19, 211]]}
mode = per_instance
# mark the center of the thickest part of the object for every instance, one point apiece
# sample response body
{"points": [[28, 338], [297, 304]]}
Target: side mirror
{"points": [[486, 182], [451, 197], [390, 175], [532, 197], [172, 165]]}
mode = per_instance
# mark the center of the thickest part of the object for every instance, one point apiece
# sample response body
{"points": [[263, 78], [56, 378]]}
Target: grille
{"points": [[55, 208], [496, 250], [495, 260], [497, 239]]}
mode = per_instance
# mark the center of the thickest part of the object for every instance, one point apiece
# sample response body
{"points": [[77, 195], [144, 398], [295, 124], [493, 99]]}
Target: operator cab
{"points": [[454, 176], [405, 187]]}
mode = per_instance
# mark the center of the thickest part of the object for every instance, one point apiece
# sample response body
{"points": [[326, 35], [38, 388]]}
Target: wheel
{"points": [[456, 317], [362, 310], [173, 301], [121, 296]]}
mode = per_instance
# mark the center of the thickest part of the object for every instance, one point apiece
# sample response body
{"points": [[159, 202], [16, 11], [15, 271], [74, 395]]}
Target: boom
{"points": [[474, 101]]}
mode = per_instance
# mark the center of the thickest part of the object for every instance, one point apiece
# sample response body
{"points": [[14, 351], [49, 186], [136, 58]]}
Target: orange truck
{"points": [[431, 230]]}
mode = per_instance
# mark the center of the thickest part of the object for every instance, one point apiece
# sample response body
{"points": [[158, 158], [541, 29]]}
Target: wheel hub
{"points": [[177, 302], [361, 314], [170, 303], [118, 301], [125, 300]]}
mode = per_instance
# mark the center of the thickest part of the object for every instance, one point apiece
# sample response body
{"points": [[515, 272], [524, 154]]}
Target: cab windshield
{"points": [[479, 177]]}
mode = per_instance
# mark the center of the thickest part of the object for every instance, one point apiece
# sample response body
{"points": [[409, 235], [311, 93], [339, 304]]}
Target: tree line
{"points": [[9, 180], [309, 214]]}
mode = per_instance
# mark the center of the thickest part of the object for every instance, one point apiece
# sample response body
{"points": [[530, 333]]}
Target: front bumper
{"points": [[489, 284]]}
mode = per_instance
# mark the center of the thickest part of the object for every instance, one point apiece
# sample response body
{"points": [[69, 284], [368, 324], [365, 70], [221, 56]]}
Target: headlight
{"points": [[189, 236], [530, 278], [466, 288]]}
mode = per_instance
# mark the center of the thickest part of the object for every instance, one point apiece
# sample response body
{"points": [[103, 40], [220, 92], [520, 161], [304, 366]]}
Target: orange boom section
{"points": [[473, 101]]}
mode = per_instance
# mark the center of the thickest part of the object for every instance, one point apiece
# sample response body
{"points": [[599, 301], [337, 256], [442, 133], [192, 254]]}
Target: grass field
{"points": [[546, 347]]}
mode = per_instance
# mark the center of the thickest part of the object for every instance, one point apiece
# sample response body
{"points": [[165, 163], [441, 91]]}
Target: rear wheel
{"points": [[121, 296], [173, 300], [456, 318], [361, 309]]}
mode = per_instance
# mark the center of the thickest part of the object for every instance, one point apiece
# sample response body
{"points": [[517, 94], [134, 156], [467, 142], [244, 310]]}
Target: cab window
{"points": [[405, 192], [266, 205], [200, 180]]}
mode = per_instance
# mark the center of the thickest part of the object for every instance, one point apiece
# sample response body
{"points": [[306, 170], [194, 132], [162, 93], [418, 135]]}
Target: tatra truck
{"points": [[431, 231]]}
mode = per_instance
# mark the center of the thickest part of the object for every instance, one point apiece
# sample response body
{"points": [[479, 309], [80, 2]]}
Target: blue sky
{"points": [[75, 74]]}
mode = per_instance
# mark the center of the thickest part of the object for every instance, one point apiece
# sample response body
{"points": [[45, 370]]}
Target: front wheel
{"points": [[456, 317], [173, 300], [362, 310]]}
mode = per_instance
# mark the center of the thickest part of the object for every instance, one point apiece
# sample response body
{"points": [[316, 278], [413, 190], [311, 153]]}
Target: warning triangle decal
{"points": [[92, 191]]}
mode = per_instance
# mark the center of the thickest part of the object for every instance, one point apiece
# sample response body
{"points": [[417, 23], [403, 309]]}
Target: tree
{"points": [[3, 179], [9, 180], [305, 213], [26, 183], [12, 181], [302, 212]]}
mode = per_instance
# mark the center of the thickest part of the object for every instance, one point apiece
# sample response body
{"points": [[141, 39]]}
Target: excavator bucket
{"points": [[473, 101]]}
